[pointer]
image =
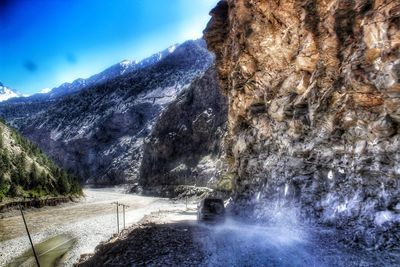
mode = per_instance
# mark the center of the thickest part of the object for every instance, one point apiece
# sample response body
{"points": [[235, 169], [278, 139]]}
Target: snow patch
{"points": [[286, 189], [55, 134], [180, 167], [341, 207], [330, 175], [6, 93], [125, 63], [383, 216], [160, 95], [258, 196], [172, 48]]}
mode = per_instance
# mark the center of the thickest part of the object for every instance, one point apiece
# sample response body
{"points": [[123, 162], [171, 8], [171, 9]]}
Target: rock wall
{"points": [[314, 108], [184, 147]]}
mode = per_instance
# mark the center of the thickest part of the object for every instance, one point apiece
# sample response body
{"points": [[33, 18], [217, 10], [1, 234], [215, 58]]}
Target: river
{"points": [[82, 226]]}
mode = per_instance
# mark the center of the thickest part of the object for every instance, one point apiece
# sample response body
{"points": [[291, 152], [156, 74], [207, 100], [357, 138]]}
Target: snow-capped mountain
{"points": [[121, 68], [6, 93], [98, 132]]}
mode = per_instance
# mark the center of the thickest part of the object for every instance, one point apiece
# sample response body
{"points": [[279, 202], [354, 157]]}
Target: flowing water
{"points": [[69, 230], [235, 243]]}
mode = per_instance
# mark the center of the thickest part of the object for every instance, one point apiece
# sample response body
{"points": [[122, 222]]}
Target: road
{"points": [[175, 238], [87, 223]]}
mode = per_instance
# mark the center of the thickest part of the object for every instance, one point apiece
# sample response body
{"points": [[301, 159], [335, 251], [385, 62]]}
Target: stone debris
{"points": [[153, 242]]}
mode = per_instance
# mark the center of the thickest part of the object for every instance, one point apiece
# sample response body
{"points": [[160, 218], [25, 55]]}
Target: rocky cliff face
{"points": [[185, 144], [314, 108]]}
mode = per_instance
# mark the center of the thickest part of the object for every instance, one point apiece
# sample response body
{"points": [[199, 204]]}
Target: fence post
{"points": [[123, 208], [117, 215], [117, 218]]}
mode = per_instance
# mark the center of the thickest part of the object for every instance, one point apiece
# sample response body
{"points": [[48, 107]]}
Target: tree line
{"points": [[25, 171]]}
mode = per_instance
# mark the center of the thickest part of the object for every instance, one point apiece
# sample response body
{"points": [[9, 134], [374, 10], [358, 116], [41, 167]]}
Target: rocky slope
{"points": [[98, 133], [26, 172], [314, 109], [185, 144]]}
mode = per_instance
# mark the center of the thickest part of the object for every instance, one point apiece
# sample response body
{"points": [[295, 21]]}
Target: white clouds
{"points": [[45, 90]]}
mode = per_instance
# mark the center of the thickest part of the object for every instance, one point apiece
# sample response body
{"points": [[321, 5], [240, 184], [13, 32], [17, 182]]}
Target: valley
{"points": [[87, 223], [100, 131]]}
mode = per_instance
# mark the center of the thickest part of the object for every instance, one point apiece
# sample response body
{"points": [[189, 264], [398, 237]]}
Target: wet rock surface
{"points": [[313, 95]]}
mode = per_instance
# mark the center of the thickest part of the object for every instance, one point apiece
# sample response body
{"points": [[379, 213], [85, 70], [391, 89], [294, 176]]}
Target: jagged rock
{"points": [[327, 137]]}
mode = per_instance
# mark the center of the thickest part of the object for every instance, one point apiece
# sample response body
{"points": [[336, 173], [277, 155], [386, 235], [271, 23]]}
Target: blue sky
{"points": [[44, 43]]}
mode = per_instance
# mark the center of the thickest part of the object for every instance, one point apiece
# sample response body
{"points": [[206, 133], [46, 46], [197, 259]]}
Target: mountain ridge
{"points": [[68, 88]]}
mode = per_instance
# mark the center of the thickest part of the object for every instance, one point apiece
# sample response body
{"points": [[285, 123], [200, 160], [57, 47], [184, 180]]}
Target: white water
{"points": [[284, 240], [241, 244]]}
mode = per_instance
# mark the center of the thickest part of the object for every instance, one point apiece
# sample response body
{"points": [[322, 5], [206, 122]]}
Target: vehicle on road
{"points": [[211, 209]]}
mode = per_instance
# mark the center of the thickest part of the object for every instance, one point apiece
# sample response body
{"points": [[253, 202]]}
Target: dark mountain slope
{"points": [[185, 144]]}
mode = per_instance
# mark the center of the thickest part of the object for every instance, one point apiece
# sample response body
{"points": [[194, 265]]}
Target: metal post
{"points": [[186, 190], [123, 208], [117, 215], [117, 218], [29, 236], [123, 212]]}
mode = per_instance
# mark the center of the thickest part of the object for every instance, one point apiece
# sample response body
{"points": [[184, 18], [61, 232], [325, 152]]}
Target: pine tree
{"points": [[33, 177], [15, 178], [43, 179], [20, 166], [63, 185], [1, 138], [5, 164]]}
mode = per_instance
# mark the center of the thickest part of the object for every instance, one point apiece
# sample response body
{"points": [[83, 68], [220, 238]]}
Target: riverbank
{"points": [[37, 202]]}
